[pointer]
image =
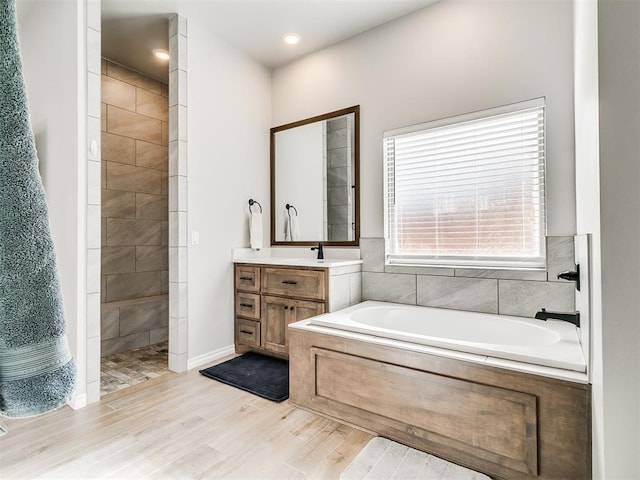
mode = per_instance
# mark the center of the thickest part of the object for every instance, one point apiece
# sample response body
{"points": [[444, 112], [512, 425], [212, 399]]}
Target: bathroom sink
{"points": [[301, 262]]}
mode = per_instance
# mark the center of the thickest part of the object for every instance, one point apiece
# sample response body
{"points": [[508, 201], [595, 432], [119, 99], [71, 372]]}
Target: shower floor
{"points": [[126, 369]]}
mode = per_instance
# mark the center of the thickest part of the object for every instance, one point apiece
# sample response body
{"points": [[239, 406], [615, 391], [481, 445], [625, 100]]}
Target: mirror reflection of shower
{"points": [[339, 178], [315, 171]]}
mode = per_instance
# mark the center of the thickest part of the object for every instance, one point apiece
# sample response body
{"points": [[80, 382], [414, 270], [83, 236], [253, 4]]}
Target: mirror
{"points": [[315, 180]]}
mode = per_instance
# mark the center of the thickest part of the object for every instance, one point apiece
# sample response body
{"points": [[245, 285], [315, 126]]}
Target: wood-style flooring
{"points": [[179, 426]]}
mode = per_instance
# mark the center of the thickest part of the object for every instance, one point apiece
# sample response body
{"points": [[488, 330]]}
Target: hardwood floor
{"points": [[179, 426]]}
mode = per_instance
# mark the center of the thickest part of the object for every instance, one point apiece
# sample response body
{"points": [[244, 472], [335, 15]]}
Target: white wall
{"points": [[619, 102], [49, 36], [449, 58], [300, 177], [228, 163], [587, 199]]}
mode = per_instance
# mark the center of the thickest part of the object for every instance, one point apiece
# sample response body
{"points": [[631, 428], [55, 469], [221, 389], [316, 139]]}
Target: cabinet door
{"points": [[278, 313], [301, 309], [275, 313]]}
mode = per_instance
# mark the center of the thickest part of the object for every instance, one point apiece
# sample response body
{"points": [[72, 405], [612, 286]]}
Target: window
{"points": [[468, 190]]}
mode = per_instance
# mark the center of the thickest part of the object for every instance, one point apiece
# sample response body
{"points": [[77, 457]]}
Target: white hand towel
{"points": [[287, 228], [255, 230], [295, 228]]}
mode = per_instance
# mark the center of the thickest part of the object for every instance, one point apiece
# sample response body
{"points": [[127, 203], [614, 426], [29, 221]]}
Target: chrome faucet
{"points": [[571, 317], [320, 251]]}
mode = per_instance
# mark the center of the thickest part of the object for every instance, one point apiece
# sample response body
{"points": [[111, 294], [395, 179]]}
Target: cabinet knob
{"points": [[286, 308]]}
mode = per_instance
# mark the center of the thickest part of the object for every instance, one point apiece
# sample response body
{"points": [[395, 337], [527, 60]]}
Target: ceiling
{"points": [[131, 29]]}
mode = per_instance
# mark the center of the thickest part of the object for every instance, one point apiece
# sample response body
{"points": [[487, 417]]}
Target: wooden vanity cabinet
{"points": [[269, 298]]}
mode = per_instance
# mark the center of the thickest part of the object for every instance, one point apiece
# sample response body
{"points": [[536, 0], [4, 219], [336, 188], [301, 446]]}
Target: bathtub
{"points": [[553, 343], [506, 396]]}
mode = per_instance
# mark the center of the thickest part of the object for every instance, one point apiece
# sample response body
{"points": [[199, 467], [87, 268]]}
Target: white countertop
{"points": [[299, 262]]}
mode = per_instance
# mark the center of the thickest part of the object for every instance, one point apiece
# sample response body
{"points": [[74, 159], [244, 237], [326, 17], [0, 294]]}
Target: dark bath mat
{"points": [[264, 376]]}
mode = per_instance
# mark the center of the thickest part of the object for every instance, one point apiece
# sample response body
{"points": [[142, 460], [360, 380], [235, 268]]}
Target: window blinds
{"points": [[468, 191]]}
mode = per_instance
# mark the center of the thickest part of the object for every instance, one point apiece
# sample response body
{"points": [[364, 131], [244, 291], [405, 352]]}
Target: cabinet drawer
{"points": [[247, 332], [248, 278], [295, 283], [248, 305]]}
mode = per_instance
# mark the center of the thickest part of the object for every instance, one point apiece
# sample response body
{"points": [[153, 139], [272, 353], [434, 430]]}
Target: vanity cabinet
{"points": [[269, 298]]}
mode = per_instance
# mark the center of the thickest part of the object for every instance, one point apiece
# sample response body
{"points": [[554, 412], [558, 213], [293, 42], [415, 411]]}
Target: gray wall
{"points": [[619, 76], [507, 292], [135, 233], [452, 57]]}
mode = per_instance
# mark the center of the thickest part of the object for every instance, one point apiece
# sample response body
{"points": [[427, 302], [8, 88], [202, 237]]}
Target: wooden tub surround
{"points": [[507, 424]]}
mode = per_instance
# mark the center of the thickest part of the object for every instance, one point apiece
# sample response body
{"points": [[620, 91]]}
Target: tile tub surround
{"points": [[507, 292], [135, 255]]}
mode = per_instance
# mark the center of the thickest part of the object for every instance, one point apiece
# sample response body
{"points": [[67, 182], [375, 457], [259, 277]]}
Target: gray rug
{"points": [[267, 377], [37, 373], [382, 459]]}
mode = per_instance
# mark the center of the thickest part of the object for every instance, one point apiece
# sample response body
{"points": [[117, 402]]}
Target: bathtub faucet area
{"points": [[571, 317]]}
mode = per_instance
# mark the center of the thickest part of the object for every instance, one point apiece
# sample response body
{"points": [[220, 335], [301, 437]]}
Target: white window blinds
{"points": [[468, 191]]}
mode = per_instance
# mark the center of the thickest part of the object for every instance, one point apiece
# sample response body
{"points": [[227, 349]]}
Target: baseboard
{"points": [[210, 357], [78, 401]]}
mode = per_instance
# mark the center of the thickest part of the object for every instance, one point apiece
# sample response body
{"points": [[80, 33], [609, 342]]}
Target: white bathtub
{"points": [[553, 343]]}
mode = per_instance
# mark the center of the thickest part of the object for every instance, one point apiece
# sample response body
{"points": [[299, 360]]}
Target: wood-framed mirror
{"points": [[315, 180]]}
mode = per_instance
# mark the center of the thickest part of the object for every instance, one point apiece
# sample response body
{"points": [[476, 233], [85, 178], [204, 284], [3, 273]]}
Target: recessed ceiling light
{"points": [[161, 54], [291, 38]]}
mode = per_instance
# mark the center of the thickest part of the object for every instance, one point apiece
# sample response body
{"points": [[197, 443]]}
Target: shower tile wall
{"points": [[135, 277], [507, 292], [338, 182]]}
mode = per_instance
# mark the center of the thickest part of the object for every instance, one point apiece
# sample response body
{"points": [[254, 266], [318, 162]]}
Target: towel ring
{"points": [[251, 202], [288, 206]]}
